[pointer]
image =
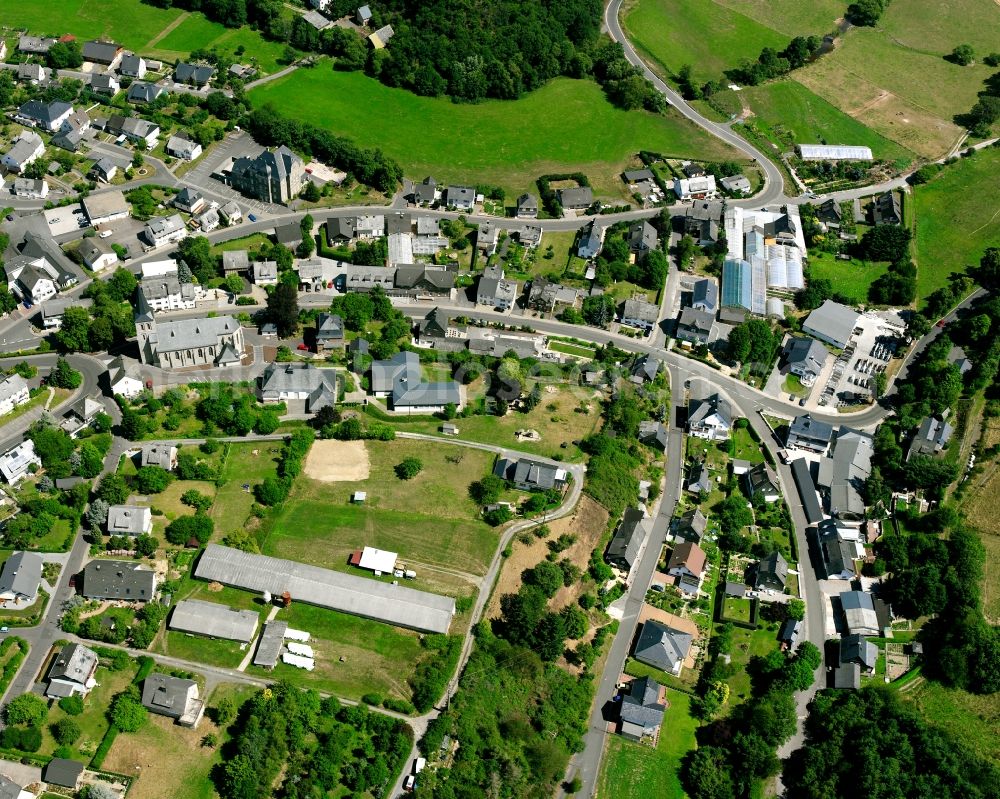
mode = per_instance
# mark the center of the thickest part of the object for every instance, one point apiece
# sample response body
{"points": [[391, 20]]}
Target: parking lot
{"points": [[65, 220], [875, 342], [219, 159]]}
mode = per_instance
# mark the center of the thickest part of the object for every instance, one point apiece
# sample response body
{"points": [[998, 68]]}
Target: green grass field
{"points": [[972, 719], [791, 17], [232, 504], [955, 219], [128, 22], [377, 657], [429, 520], [787, 111], [566, 125], [850, 278], [636, 771], [198, 33]]}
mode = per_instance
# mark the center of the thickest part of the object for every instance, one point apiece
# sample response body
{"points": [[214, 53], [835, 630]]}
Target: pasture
{"points": [[128, 22], [195, 32], [956, 219], [567, 125]]}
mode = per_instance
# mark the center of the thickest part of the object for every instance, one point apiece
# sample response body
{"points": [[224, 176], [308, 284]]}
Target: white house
{"points": [[16, 462], [96, 254], [30, 189], [710, 418], [163, 230], [180, 146], [25, 149], [125, 378], [13, 392], [32, 279], [129, 520], [695, 188]]}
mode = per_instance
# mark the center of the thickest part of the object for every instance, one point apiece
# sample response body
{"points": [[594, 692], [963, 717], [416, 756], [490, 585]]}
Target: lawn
{"points": [[169, 501], [789, 113], [128, 22], [791, 17], [745, 447], [974, 720], [871, 74], [195, 649], [255, 241], [198, 33], [376, 657], [429, 520], [635, 771], [232, 504], [954, 225], [747, 644], [162, 753], [555, 418], [502, 142], [850, 278]]}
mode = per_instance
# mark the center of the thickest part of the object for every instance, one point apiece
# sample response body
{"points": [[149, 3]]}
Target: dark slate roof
{"points": [[804, 426], [857, 649], [662, 646], [118, 579], [100, 52], [628, 538], [706, 295], [193, 73], [773, 568], [63, 772], [641, 705]]}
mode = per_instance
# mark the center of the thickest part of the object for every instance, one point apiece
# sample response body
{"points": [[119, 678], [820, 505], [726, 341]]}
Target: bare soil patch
{"points": [[337, 461]]}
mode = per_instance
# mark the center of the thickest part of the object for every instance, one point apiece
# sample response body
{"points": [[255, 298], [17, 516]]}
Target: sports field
{"points": [[894, 78], [958, 216], [566, 125]]}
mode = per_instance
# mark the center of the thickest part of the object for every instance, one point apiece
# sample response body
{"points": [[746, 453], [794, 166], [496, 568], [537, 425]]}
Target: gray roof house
{"points": [[695, 326], [838, 557], [805, 358], [19, 580], [527, 206], [771, 572], [857, 649], [63, 772], [461, 197], [691, 526], [235, 262], [302, 382], [859, 613], [173, 697], [72, 671], [106, 53], [132, 65], [329, 331], [118, 580], [576, 198], [143, 92], [193, 74], [832, 322], [663, 647], [494, 290], [642, 708], [162, 455], [213, 620], [804, 432], [642, 238], [530, 475], [424, 192], [400, 380], [931, 437], [710, 418], [130, 520], [761, 481], [886, 209], [699, 480], [645, 368], [653, 432], [847, 675], [639, 313], [104, 84], [843, 473], [628, 539], [590, 241], [789, 633], [705, 295]]}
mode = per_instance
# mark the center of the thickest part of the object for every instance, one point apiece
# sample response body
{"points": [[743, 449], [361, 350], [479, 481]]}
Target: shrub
{"points": [[65, 731], [408, 468], [71, 705]]}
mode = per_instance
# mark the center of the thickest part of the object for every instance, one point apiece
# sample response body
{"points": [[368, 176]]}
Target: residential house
{"points": [[13, 392], [805, 358], [931, 437], [590, 242], [235, 262], [462, 198], [623, 551], [118, 580], [329, 332], [697, 188], [208, 220], [832, 322], [142, 92], [33, 280], [193, 74], [642, 237], [133, 66], [163, 230], [687, 564], [695, 326], [104, 169], [340, 229], [30, 189], [129, 520], [699, 480], [705, 296], [635, 176], [637, 312], [162, 455], [642, 709], [843, 473], [303, 384], [134, 129], [364, 15], [838, 557], [189, 200], [72, 672], [105, 84], [425, 192], [886, 209], [692, 169], [710, 418], [829, 213], [494, 290], [645, 368], [8, 788], [34, 45], [691, 526], [23, 151], [31, 73], [106, 54], [487, 237], [381, 37], [651, 432], [96, 255], [857, 649], [289, 235], [180, 145], [63, 772], [789, 634], [663, 647], [762, 482], [400, 380], [20, 578], [527, 207], [805, 432], [181, 343], [420, 281], [265, 273], [546, 295], [527, 474], [167, 293], [45, 116], [124, 378], [274, 176], [736, 184], [577, 198], [173, 697], [529, 236], [230, 213], [771, 573], [860, 617]]}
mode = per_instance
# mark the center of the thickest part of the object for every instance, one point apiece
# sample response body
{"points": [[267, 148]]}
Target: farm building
{"points": [[376, 560], [213, 621]]}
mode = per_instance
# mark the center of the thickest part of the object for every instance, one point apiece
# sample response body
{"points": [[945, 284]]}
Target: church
{"points": [[180, 343]]}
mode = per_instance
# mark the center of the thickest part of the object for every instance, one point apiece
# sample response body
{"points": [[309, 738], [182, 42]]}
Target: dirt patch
{"points": [[338, 462], [587, 523]]}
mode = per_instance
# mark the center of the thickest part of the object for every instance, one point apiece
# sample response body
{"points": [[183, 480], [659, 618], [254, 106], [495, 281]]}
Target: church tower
{"points": [[145, 327]]}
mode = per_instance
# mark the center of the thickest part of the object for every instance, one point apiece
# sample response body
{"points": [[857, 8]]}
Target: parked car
{"points": [[251, 217], [303, 346]]}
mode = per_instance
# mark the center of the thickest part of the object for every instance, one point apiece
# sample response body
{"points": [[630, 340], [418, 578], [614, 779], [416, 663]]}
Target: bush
{"points": [[27, 709], [65, 731], [127, 713], [408, 468], [71, 705]]}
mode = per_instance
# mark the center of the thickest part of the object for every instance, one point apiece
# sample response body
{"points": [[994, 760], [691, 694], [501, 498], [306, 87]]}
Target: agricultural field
{"points": [[850, 278], [505, 143], [354, 656], [163, 753], [953, 224], [429, 520], [635, 771], [870, 75], [788, 113]]}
